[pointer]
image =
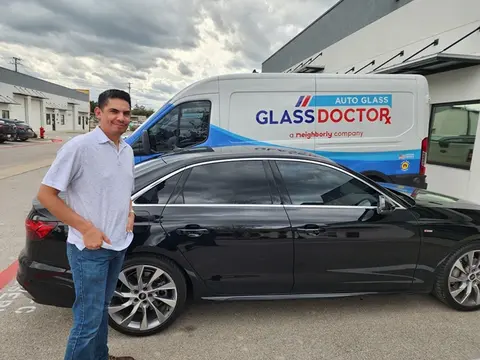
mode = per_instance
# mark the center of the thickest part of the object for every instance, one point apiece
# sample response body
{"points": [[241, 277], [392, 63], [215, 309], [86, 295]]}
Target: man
{"points": [[95, 170]]}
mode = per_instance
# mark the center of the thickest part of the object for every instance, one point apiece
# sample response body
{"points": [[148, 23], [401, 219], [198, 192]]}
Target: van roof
{"points": [[305, 75], [244, 76], [211, 83]]}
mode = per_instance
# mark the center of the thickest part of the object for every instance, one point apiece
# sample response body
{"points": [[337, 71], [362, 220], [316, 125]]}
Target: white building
{"points": [[436, 38], [41, 103]]}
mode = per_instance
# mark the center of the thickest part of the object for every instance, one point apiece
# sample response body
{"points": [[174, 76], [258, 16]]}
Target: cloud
{"points": [[157, 46], [184, 69]]}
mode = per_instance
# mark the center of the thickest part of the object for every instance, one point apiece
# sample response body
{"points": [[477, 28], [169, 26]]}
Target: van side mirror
{"points": [[384, 205]]}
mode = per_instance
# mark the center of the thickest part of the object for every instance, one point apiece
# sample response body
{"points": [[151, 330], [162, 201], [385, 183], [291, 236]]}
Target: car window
{"points": [[160, 193], [233, 182], [316, 184]]}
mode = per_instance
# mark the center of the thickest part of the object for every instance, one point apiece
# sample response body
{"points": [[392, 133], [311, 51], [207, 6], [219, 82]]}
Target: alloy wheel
{"points": [[144, 299], [464, 279]]}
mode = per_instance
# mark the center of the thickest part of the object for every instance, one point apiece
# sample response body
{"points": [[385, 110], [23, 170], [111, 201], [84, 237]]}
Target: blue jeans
{"points": [[95, 274]]}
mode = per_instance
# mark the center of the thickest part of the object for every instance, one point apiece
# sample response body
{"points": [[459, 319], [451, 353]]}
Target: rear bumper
{"points": [[45, 284], [414, 180], [24, 134], [7, 136]]}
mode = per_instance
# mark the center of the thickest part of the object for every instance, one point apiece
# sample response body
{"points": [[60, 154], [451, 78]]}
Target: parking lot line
{"points": [[8, 274]]}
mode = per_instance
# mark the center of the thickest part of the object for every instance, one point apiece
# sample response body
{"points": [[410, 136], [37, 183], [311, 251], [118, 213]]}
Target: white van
{"points": [[374, 124]]}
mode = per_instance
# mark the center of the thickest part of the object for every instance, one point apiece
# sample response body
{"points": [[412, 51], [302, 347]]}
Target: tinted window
{"points": [[194, 123], [310, 184], [190, 129], [236, 182], [160, 193], [163, 134]]}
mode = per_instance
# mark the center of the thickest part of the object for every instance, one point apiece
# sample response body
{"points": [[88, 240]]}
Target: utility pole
{"points": [[129, 87], [16, 62]]}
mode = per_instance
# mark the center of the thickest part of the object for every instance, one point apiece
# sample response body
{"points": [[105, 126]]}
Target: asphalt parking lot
{"points": [[385, 327]]}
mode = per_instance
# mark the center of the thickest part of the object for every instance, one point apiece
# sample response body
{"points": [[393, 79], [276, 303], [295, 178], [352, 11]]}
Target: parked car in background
{"points": [[7, 130], [265, 223], [23, 130]]}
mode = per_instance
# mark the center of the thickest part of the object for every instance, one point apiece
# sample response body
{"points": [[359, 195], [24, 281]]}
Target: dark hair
{"points": [[113, 94]]}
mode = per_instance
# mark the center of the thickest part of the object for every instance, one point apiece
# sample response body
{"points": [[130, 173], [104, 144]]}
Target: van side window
{"points": [[164, 130], [185, 125], [194, 123]]}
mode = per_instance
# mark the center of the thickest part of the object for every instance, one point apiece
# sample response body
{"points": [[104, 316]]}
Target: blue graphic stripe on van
{"points": [[344, 100], [388, 162], [351, 100]]}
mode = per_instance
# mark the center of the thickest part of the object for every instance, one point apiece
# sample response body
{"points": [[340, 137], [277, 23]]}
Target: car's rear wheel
{"points": [[458, 281], [151, 292]]}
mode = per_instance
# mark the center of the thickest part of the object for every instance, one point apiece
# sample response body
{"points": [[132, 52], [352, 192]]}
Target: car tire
{"points": [[151, 265], [452, 293]]}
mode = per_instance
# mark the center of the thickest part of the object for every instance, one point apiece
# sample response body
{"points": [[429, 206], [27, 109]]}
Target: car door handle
{"points": [[311, 229], [192, 232]]}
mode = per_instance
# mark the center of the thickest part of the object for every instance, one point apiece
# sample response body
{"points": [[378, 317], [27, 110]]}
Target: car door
{"points": [[341, 243], [228, 222]]}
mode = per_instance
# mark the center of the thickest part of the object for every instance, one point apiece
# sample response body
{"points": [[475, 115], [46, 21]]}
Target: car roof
{"points": [[151, 170]]}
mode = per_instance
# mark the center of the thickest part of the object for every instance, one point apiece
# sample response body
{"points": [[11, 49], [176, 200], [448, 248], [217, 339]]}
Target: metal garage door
{"points": [[35, 115]]}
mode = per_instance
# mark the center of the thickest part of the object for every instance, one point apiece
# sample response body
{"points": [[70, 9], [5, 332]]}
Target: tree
{"points": [[142, 110], [93, 105]]}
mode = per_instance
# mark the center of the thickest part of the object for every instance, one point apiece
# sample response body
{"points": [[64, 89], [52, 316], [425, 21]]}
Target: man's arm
{"points": [[131, 213], [48, 197], [65, 169]]}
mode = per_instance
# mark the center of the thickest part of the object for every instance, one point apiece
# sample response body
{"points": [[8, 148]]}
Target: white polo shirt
{"points": [[98, 181]]}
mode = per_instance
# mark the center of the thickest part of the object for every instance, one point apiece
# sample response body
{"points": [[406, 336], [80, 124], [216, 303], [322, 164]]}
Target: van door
{"points": [[270, 110], [368, 124]]}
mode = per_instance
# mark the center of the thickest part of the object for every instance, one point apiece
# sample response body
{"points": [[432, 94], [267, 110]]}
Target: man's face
{"points": [[114, 117]]}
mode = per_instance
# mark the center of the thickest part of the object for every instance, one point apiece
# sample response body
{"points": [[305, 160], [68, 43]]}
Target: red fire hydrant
{"points": [[42, 132]]}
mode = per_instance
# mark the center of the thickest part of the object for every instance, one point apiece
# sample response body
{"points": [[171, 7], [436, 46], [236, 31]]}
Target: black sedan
{"points": [[8, 130], [242, 223], [23, 130]]}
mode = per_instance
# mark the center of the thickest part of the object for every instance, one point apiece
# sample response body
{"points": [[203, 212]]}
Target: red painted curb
{"points": [[8, 274]]}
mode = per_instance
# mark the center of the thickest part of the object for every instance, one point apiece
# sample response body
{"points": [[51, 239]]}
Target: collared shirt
{"points": [[98, 180]]}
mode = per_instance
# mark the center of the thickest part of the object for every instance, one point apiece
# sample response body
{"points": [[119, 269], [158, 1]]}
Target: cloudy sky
{"points": [[159, 46]]}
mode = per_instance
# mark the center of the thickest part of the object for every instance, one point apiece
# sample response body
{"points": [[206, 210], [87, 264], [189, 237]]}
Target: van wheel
{"points": [[151, 293], [458, 279]]}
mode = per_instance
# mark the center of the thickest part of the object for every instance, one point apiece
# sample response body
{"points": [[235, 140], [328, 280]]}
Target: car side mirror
{"points": [[384, 205]]}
